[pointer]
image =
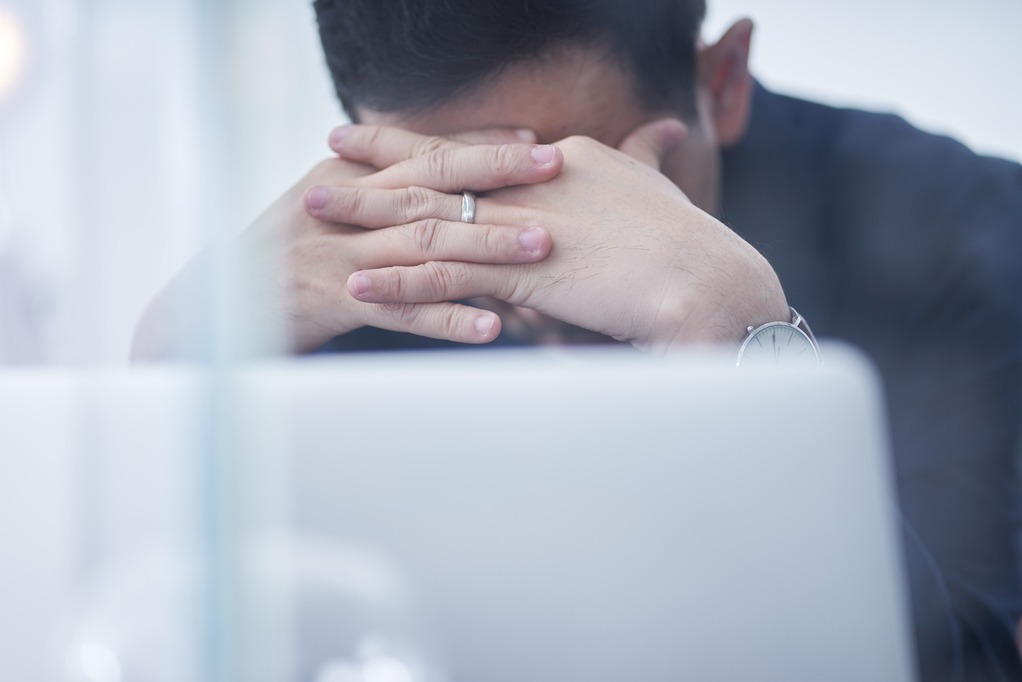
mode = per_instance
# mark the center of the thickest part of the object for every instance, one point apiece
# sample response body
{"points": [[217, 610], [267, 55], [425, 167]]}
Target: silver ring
{"points": [[468, 207]]}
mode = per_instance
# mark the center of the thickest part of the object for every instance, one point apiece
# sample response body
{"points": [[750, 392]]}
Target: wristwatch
{"points": [[777, 342]]}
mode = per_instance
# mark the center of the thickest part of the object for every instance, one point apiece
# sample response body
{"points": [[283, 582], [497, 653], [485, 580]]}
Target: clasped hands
{"points": [[582, 233]]}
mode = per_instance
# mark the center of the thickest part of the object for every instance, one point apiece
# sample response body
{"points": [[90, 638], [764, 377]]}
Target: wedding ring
{"points": [[468, 207]]}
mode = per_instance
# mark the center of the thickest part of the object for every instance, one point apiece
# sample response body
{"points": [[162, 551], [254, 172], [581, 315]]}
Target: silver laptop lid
{"points": [[587, 516]]}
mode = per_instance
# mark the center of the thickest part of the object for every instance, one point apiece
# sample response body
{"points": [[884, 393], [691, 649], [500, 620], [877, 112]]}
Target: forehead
{"points": [[574, 91]]}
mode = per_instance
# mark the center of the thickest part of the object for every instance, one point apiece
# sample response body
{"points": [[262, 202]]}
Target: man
{"points": [[659, 163]]}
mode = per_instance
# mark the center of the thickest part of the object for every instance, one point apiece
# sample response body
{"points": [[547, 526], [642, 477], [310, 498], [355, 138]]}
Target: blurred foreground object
{"points": [[524, 515]]}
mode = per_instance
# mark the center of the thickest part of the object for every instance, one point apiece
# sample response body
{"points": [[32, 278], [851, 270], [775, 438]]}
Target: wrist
{"points": [[720, 312]]}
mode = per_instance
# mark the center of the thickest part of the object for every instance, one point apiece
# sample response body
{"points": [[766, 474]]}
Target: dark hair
{"points": [[412, 55]]}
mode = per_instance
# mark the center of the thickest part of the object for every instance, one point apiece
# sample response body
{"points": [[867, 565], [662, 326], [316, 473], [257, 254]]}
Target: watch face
{"points": [[777, 343]]}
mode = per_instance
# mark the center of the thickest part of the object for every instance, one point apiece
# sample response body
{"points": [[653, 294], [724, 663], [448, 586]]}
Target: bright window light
{"points": [[12, 52]]}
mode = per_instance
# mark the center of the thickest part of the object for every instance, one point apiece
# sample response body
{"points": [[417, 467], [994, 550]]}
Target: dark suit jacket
{"points": [[909, 246]]}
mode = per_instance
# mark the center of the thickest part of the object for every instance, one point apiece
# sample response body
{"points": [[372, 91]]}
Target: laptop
{"points": [[542, 515]]}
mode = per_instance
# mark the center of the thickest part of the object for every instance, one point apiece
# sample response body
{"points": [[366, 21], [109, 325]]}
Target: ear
{"points": [[724, 76]]}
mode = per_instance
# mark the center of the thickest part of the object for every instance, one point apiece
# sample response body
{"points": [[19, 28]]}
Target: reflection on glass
{"points": [[319, 610], [12, 52], [98, 662]]}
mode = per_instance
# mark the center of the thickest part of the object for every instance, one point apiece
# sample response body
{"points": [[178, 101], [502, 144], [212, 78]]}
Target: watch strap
{"points": [[800, 322]]}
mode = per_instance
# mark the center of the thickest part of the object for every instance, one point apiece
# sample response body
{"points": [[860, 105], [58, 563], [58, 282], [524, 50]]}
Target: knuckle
{"points": [[352, 202], [398, 284], [426, 234], [439, 278], [492, 241], [504, 161], [428, 145], [450, 322], [405, 313], [438, 163], [513, 285], [417, 203]]}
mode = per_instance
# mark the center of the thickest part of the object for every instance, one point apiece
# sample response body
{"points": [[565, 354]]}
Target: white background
{"points": [[948, 67]]}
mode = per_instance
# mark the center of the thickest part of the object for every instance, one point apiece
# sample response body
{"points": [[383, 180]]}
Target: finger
{"points": [[495, 136], [479, 168], [449, 321], [382, 146], [431, 282], [649, 143], [438, 240], [375, 208]]}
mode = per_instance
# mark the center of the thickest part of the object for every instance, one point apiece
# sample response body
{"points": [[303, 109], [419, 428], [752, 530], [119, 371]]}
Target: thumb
{"points": [[650, 142]]}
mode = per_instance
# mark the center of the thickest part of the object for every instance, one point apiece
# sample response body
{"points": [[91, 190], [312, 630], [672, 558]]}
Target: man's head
{"points": [[558, 67], [406, 56]]}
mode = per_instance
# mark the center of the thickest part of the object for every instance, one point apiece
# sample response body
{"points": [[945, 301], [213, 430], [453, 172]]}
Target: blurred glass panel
{"points": [[132, 135]]}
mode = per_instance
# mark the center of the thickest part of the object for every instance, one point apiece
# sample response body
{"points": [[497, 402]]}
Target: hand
{"points": [[296, 265], [632, 257]]}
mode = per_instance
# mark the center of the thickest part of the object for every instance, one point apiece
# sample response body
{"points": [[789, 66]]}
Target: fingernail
{"points": [[525, 135], [361, 283], [338, 135], [531, 239], [484, 324], [544, 153], [316, 198]]}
